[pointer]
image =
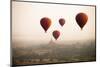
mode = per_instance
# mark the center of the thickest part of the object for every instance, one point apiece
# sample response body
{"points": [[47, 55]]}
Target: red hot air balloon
{"points": [[45, 23], [81, 19], [61, 21], [56, 34]]}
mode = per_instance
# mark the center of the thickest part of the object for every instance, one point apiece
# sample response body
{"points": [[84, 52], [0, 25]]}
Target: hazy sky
{"points": [[26, 22]]}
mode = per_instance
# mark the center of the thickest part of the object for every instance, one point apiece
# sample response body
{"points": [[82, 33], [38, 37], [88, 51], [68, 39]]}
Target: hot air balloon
{"points": [[61, 21], [56, 34], [81, 19], [45, 23]]}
